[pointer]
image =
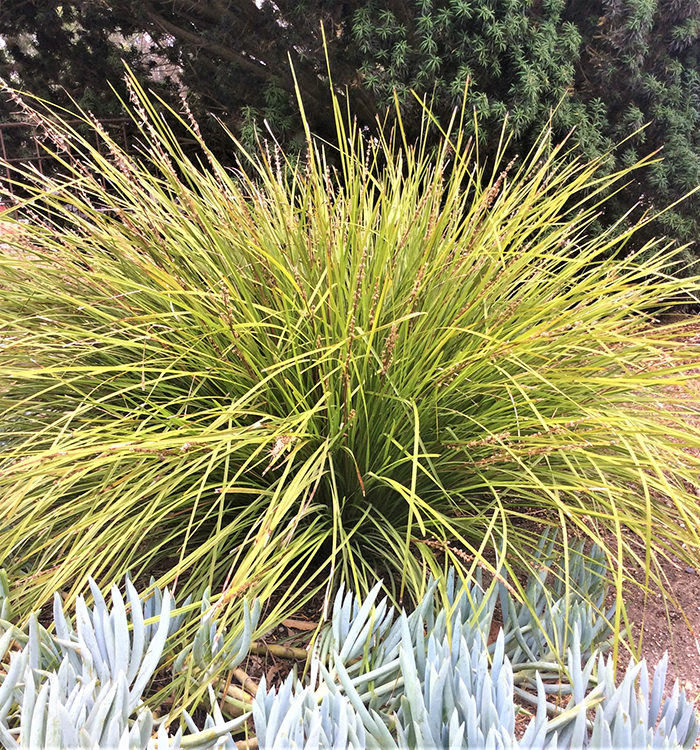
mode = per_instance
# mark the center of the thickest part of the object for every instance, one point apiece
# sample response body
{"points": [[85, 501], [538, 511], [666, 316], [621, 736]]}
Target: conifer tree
{"points": [[603, 67]]}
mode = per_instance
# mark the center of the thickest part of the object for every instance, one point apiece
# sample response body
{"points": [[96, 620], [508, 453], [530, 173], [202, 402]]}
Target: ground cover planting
{"points": [[373, 679]]}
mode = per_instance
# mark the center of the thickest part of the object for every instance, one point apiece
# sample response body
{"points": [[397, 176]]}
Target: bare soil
{"points": [[665, 624], [669, 626]]}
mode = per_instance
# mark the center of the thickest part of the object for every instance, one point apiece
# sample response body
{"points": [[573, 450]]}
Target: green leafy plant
{"points": [[604, 67], [254, 382]]}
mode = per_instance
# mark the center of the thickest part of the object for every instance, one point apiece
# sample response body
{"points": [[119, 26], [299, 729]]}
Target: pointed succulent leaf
{"points": [[153, 653]]}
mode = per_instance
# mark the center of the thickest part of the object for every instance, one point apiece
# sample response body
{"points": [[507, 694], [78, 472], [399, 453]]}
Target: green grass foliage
{"points": [[375, 359]]}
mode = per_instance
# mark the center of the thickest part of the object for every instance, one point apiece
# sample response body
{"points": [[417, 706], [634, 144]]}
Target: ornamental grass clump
{"points": [[373, 358]]}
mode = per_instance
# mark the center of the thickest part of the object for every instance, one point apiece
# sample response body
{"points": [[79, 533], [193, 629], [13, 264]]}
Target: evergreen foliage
{"points": [[62, 52], [606, 67]]}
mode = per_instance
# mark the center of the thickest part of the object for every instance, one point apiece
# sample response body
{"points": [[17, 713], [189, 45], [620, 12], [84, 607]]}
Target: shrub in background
{"points": [[255, 382], [606, 66]]}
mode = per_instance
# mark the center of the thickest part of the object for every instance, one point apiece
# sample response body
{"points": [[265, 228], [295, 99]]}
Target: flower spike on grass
{"points": [[339, 365]]}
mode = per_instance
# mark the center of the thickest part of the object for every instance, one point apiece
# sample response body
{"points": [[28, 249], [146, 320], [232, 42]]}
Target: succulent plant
{"points": [[432, 690], [209, 648], [82, 685], [293, 716], [375, 678]]}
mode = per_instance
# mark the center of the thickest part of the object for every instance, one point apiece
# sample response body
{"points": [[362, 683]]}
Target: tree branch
{"points": [[220, 50]]}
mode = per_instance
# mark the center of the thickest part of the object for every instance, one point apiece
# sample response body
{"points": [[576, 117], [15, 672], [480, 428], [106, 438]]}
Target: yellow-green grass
{"points": [[365, 360]]}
